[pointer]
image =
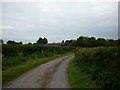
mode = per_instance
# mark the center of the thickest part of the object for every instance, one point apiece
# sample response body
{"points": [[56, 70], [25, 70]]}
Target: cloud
{"points": [[57, 21], [46, 1], [6, 27]]}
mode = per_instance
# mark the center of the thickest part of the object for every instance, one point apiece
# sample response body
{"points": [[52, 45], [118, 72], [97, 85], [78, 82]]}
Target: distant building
{"points": [[38, 44], [51, 44], [55, 44]]}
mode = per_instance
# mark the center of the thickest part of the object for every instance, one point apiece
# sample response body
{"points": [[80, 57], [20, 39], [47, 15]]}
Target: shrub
{"points": [[102, 63]]}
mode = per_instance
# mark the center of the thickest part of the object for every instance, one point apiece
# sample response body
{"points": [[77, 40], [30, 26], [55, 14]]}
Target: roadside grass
{"points": [[12, 61], [17, 70], [79, 79]]}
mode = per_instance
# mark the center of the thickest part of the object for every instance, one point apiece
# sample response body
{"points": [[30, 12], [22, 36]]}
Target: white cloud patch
{"points": [[6, 27]]}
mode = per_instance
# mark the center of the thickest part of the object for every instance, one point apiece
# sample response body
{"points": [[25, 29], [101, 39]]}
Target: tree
{"points": [[42, 41], [67, 42], [92, 42], [101, 42], [73, 43], [62, 41], [30, 43], [20, 42], [11, 42], [45, 41], [82, 41]]}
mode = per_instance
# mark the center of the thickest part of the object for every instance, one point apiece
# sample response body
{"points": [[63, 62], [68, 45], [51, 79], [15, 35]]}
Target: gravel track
{"points": [[52, 74]]}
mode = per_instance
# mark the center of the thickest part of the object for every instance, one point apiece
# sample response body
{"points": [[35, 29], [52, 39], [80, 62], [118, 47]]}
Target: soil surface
{"points": [[52, 74]]}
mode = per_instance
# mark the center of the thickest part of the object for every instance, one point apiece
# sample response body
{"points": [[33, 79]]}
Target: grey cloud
{"points": [[58, 21]]}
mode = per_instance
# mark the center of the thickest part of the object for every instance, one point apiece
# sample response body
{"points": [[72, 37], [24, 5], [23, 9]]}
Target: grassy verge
{"points": [[16, 71], [13, 61], [79, 79]]}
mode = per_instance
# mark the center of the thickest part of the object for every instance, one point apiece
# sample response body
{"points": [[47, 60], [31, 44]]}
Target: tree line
{"points": [[82, 41], [39, 41]]}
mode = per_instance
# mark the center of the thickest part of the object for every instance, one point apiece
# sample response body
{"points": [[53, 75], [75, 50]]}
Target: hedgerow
{"points": [[17, 54], [101, 63], [16, 50]]}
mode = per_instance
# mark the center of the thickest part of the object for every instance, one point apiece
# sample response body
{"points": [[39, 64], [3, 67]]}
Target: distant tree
{"points": [[20, 42], [11, 42], [82, 41], [42, 41], [67, 42], [101, 42], [45, 41], [110, 42], [62, 41], [73, 43], [92, 42], [29, 43]]}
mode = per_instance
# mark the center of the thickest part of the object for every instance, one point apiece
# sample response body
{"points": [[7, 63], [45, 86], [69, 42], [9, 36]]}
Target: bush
{"points": [[102, 63]]}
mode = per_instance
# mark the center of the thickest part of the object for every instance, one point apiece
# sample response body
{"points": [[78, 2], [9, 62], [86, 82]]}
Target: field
{"points": [[99, 64], [18, 59]]}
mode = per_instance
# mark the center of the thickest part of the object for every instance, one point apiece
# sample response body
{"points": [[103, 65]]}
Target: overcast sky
{"points": [[58, 20]]}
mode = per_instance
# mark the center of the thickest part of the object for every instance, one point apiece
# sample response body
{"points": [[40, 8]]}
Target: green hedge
{"points": [[18, 54], [101, 63], [16, 50]]}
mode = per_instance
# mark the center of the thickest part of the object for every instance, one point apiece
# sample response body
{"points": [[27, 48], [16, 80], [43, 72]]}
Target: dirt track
{"points": [[50, 75]]}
